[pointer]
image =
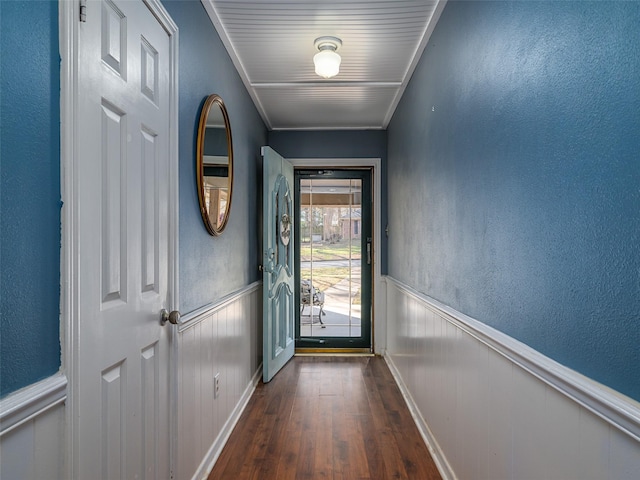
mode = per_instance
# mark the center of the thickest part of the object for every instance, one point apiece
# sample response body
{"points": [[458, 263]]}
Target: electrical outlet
{"points": [[216, 385]]}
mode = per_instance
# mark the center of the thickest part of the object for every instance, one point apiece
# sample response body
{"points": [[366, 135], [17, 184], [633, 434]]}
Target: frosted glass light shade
{"points": [[327, 63]]}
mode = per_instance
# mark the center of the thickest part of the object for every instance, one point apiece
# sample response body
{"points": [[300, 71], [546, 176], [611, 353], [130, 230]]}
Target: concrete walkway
{"points": [[340, 320]]}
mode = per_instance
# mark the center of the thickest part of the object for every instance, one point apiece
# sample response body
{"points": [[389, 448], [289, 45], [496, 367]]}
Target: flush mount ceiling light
{"points": [[327, 61]]}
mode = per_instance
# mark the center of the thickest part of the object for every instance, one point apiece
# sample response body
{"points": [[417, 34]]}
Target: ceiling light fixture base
{"points": [[328, 43]]}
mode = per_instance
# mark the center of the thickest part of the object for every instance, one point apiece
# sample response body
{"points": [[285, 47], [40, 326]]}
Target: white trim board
{"points": [[32, 401], [193, 318], [379, 322], [68, 17], [621, 412]]}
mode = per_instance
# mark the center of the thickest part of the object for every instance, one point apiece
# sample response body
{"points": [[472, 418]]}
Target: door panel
{"points": [[121, 385], [277, 266]]}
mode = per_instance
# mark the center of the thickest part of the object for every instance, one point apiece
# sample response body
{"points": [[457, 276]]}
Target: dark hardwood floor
{"points": [[327, 418]]}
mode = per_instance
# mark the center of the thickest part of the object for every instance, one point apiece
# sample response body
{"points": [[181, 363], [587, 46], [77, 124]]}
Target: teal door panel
{"points": [[277, 263]]}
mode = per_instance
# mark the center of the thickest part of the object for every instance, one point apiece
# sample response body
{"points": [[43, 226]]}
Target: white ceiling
{"points": [[271, 43]]}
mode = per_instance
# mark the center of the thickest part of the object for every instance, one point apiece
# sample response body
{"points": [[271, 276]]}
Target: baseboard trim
{"points": [[32, 401], [205, 467], [616, 409], [437, 454], [196, 316]]}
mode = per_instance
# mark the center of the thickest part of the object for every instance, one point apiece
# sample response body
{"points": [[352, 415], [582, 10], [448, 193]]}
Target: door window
{"points": [[334, 270]]}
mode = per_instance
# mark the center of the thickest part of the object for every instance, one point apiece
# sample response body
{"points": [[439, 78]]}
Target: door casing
{"points": [[364, 343]]}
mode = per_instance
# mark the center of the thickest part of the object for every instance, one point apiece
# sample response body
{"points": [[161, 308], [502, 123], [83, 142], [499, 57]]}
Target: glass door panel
{"points": [[334, 270]]}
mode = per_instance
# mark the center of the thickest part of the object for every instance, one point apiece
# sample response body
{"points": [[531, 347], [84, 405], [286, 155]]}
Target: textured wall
{"points": [[212, 267], [29, 194], [514, 170], [338, 144]]}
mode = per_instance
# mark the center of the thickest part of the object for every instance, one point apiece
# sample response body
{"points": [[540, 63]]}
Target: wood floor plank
{"points": [[374, 452], [250, 458], [327, 418], [383, 425], [322, 440], [246, 429]]}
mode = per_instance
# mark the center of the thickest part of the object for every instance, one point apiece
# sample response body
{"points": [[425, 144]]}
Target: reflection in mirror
{"points": [[214, 164]]}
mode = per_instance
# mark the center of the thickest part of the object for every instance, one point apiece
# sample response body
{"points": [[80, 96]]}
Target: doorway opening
{"points": [[333, 260]]}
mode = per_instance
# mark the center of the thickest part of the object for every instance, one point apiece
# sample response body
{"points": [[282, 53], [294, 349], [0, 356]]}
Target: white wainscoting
{"points": [[491, 407], [224, 338], [32, 431]]}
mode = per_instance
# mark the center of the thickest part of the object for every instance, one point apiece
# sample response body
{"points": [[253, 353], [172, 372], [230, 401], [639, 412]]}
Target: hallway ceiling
{"points": [[271, 43]]}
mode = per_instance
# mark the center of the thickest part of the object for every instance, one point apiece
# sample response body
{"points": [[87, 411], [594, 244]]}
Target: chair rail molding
{"points": [[194, 317], [32, 430], [489, 406], [32, 401], [620, 411]]}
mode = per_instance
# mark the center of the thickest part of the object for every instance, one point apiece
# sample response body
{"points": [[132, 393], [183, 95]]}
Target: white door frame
{"points": [[379, 321], [69, 15]]}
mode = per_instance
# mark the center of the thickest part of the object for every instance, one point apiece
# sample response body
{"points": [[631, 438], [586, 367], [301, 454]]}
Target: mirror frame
{"points": [[211, 101]]}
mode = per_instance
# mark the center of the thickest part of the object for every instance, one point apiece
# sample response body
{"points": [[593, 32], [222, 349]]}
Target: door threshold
{"points": [[335, 352]]}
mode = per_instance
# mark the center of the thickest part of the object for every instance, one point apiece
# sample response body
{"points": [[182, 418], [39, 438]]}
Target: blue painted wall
{"points": [[514, 167], [29, 193], [338, 144], [212, 267]]}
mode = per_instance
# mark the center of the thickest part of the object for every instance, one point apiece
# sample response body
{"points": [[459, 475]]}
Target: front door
{"points": [[277, 263], [120, 386], [334, 260]]}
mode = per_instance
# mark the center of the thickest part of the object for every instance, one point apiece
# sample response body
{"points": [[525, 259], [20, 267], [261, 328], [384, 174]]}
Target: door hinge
{"points": [[83, 11]]}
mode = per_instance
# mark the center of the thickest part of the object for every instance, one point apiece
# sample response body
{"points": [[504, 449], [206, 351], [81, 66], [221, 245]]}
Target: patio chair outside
{"points": [[312, 297]]}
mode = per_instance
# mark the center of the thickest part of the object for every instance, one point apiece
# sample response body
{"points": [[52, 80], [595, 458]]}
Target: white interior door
{"points": [[278, 268], [120, 388]]}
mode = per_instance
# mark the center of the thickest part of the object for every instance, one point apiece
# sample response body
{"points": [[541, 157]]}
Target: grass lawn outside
{"points": [[334, 251]]}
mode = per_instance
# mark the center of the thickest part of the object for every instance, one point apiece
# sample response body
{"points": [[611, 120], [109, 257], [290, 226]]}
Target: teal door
{"points": [[277, 263]]}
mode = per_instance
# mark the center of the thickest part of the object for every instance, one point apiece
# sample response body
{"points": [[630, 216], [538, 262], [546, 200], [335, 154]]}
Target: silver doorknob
{"points": [[173, 317]]}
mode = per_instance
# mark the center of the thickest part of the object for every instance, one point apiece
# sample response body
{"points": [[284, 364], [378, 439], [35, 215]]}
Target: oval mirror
{"points": [[214, 169]]}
